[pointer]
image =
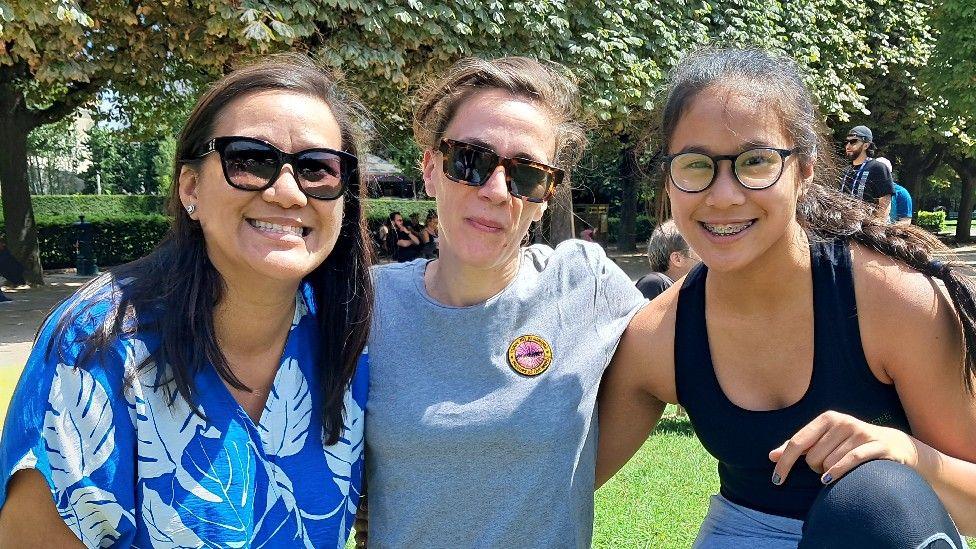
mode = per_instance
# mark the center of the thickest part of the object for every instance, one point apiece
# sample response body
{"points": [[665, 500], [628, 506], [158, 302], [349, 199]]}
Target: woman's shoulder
{"points": [[572, 253], [74, 333], [885, 283], [396, 272], [900, 310]]}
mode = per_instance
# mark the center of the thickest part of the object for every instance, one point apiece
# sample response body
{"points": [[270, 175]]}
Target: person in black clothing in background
{"points": [[403, 243], [866, 178], [826, 358], [670, 257]]}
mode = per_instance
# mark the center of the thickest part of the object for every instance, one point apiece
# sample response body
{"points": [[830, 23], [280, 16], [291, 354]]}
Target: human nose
{"points": [[495, 189], [725, 191], [285, 190]]}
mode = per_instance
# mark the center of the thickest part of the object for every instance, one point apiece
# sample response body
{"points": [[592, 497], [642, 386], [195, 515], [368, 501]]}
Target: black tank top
{"points": [[841, 381]]}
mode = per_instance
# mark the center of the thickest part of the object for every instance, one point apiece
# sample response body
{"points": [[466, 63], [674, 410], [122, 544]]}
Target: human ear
{"points": [[806, 172], [428, 169], [188, 184]]}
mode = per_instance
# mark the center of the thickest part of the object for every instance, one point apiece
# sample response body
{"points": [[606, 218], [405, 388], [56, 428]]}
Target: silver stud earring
{"points": [[190, 208]]}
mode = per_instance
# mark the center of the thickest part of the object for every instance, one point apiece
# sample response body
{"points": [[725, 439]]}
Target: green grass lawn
{"points": [[660, 497]]}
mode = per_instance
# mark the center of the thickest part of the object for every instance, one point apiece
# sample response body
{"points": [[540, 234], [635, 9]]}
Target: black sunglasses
{"points": [[251, 164], [756, 169], [853, 141], [473, 164]]}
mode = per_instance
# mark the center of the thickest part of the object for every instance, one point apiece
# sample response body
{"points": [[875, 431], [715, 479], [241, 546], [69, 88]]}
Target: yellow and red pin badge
{"points": [[529, 355]]}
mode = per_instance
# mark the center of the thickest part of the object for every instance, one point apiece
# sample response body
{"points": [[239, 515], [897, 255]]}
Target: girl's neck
{"points": [[451, 282], [772, 280]]}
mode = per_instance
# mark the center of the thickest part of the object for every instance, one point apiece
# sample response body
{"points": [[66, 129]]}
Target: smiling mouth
{"points": [[727, 229], [279, 229]]}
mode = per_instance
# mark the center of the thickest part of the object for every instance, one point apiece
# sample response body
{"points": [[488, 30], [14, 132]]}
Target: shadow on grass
{"points": [[675, 426]]}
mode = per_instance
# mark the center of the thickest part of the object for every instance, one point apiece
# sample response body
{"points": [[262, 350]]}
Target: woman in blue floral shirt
{"points": [[212, 393]]}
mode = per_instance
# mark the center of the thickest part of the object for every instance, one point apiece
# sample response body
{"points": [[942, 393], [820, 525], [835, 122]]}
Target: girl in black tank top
{"points": [[876, 445], [841, 380]]}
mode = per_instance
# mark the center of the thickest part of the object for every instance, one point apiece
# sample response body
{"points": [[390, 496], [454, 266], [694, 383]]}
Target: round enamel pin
{"points": [[529, 355]]}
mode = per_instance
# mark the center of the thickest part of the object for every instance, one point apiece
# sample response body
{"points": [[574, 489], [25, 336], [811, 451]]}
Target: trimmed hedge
{"points": [[95, 205], [119, 238], [378, 210], [115, 240], [932, 221]]}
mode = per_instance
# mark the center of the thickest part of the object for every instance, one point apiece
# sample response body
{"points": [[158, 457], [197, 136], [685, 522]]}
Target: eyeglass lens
{"points": [[755, 169], [474, 166], [252, 165]]}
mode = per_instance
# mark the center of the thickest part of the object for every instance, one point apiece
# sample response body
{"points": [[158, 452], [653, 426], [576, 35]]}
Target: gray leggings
{"points": [[881, 504]]}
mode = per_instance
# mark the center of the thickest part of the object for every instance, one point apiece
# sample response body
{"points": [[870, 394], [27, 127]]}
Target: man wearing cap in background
{"points": [[901, 201], [866, 178]]}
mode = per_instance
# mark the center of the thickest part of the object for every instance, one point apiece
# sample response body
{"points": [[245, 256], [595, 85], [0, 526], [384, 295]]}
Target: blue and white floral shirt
{"points": [[125, 468]]}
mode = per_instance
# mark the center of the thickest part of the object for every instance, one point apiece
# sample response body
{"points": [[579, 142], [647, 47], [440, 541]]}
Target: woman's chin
{"points": [[286, 266]]}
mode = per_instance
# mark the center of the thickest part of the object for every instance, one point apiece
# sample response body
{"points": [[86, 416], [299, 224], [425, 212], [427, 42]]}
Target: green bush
{"points": [[133, 225], [113, 205], [378, 209], [95, 205], [932, 221], [115, 240]]}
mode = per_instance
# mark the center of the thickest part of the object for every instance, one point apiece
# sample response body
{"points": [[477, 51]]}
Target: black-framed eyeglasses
{"points": [[472, 165], [852, 141], [251, 164], [758, 168]]}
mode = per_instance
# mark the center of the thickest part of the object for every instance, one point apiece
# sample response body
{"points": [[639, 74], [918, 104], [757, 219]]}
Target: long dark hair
{"points": [[172, 292], [822, 210]]}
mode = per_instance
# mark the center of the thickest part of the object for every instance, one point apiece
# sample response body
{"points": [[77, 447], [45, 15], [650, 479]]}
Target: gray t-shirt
{"points": [[462, 450]]}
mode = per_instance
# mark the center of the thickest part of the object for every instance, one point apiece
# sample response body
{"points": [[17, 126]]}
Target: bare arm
{"points": [[912, 329], [884, 207], [410, 241], [634, 387], [29, 518]]}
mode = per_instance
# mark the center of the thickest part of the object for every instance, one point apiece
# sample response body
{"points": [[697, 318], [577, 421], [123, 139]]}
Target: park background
{"points": [[92, 94]]}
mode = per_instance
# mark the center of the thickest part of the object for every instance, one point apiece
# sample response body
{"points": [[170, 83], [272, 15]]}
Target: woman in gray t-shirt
{"points": [[485, 363]]}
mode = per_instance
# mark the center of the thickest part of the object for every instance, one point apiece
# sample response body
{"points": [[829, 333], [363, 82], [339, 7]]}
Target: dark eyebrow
{"points": [[742, 148], [478, 142], [519, 155]]}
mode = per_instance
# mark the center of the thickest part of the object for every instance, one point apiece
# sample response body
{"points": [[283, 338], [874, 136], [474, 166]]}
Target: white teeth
{"points": [[727, 229], [275, 228]]}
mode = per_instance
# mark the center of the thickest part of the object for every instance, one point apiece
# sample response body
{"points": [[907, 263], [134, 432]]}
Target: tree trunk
{"points": [[917, 166], [626, 240], [560, 214], [17, 210], [966, 168]]}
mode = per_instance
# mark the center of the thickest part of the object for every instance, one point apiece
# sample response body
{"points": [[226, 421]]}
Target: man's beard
{"points": [[851, 155]]}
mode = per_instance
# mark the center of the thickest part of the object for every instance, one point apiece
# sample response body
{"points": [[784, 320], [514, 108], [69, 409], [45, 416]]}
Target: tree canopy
{"points": [[865, 61]]}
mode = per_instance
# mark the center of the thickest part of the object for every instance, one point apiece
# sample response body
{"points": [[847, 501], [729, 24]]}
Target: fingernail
{"points": [[826, 478], [777, 480]]}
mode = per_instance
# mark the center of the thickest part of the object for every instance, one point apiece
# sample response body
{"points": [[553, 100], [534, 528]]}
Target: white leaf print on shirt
{"points": [[342, 455], [281, 488], [225, 473], [163, 523], [78, 429], [29, 461], [164, 433], [287, 412], [94, 515]]}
